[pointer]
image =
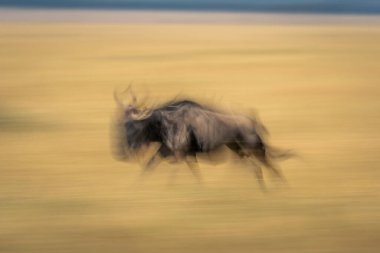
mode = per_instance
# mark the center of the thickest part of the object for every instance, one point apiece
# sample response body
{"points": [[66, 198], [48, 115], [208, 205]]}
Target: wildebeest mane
{"points": [[174, 104]]}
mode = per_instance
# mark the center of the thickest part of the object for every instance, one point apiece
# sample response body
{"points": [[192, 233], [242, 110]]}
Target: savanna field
{"points": [[315, 87]]}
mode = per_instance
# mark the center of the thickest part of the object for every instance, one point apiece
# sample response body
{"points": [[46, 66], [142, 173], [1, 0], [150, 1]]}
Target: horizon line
{"points": [[183, 16]]}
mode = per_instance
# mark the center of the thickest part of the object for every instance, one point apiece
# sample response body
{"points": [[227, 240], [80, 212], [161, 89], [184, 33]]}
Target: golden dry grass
{"points": [[315, 87]]}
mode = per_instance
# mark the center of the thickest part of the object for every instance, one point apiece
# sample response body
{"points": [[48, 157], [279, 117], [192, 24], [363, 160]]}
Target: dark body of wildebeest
{"points": [[185, 128]]}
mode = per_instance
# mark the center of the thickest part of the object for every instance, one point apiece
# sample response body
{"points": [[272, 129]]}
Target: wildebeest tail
{"points": [[269, 152], [278, 153]]}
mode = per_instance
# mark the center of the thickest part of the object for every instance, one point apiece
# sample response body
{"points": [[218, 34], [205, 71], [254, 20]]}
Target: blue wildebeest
{"points": [[184, 128]]}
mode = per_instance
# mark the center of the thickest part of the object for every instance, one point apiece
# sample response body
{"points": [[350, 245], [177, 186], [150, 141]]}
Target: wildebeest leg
{"points": [[261, 156], [193, 166], [259, 174], [153, 162], [235, 148], [162, 152], [256, 168], [192, 163]]}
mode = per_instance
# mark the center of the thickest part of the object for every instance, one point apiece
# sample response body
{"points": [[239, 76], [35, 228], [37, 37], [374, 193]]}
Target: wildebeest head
{"points": [[129, 105], [133, 124]]}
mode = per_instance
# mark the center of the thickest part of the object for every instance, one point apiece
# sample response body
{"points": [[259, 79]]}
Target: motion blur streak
{"points": [[316, 88], [183, 129]]}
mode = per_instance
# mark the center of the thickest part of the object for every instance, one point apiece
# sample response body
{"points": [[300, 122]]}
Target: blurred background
{"points": [[310, 69]]}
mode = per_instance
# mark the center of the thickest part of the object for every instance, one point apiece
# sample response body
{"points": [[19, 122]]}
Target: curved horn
{"points": [[127, 91], [117, 99], [132, 94], [143, 101]]}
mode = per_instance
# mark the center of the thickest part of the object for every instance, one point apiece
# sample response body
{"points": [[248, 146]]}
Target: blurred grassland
{"points": [[315, 87]]}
